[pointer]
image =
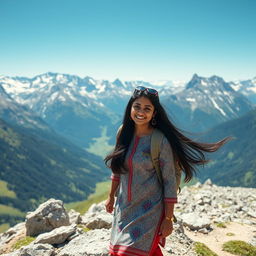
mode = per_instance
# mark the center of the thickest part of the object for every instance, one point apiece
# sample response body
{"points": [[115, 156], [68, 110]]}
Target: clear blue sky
{"points": [[132, 39]]}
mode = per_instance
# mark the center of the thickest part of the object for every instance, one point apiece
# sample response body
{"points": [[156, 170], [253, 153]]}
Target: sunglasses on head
{"points": [[150, 91]]}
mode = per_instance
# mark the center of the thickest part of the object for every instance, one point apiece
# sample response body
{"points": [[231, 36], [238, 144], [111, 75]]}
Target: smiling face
{"points": [[142, 111]]}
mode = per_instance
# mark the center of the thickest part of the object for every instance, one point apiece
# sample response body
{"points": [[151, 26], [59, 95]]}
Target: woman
{"points": [[144, 208]]}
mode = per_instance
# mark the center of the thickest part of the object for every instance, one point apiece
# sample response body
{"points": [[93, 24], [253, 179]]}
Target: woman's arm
{"points": [[111, 196]]}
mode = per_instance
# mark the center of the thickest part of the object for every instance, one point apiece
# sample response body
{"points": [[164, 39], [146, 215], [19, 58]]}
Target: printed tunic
{"points": [[139, 206]]}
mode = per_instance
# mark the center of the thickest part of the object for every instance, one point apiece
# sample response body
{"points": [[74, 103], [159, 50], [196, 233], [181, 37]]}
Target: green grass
{"points": [[4, 227], [238, 247], [85, 229], [230, 234], [100, 145], [221, 225], [4, 191], [23, 242], [100, 194], [8, 210], [202, 250]]}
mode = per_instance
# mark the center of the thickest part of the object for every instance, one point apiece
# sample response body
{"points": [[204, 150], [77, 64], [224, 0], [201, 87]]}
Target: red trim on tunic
{"points": [[124, 250], [131, 168], [173, 200], [156, 239]]}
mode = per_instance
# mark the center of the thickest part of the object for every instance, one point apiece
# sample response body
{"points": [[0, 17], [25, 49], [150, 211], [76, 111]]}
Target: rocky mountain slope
{"points": [[201, 207]]}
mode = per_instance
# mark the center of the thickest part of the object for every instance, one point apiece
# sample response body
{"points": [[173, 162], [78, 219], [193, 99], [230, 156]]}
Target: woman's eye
{"points": [[147, 109], [136, 107]]}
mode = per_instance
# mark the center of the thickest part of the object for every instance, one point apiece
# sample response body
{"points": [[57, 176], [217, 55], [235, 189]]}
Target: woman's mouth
{"points": [[140, 117]]}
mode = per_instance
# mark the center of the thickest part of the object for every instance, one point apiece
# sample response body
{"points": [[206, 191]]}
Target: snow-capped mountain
{"points": [[206, 102], [18, 114], [247, 88], [81, 108]]}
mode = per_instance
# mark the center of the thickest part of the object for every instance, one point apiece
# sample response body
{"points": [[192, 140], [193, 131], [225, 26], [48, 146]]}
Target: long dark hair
{"points": [[187, 153]]}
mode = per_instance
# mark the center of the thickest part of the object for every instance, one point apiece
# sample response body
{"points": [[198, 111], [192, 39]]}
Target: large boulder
{"points": [[46, 217], [94, 243], [56, 236]]}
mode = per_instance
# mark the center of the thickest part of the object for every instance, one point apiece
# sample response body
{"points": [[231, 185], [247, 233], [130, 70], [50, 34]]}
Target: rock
{"points": [[208, 182], [93, 242], [46, 217], [12, 232], [74, 217], [195, 222], [99, 221], [34, 250], [56, 236]]}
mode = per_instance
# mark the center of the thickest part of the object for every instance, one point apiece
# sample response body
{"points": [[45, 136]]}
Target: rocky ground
{"points": [[200, 210]]}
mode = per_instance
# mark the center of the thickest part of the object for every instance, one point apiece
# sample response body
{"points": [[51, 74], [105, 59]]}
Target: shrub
{"points": [[238, 247], [23, 242], [202, 250]]}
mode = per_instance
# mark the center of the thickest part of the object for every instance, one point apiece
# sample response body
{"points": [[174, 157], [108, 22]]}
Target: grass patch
{"points": [[238, 247], [85, 229], [100, 146], [8, 210], [230, 234], [100, 194], [221, 225], [23, 242], [4, 227], [4, 191], [202, 250]]}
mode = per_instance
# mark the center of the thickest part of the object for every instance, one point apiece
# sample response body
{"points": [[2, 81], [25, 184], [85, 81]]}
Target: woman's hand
{"points": [[166, 228], [110, 204]]}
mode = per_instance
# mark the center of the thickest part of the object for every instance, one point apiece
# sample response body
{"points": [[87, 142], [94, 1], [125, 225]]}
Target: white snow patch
{"points": [[253, 89], [191, 99], [217, 107]]}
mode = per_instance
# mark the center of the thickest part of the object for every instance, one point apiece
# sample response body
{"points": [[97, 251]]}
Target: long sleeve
{"points": [[167, 165]]}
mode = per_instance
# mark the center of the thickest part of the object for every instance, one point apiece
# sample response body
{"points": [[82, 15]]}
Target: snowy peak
{"points": [[215, 82]]}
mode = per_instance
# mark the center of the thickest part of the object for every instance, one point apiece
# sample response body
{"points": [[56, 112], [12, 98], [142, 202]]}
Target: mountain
{"points": [[36, 169], [235, 163], [205, 102], [37, 163], [247, 88], [88, 111]]}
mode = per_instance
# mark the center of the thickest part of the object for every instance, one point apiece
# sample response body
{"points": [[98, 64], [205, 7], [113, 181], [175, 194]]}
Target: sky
{"points": [[129, 39]]}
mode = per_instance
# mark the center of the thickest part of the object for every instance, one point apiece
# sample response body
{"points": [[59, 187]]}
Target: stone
{"points": [[195, 222], [74, 217], [99, 221], [56, 236], [93, 242], [46, 217], [34, 250]]}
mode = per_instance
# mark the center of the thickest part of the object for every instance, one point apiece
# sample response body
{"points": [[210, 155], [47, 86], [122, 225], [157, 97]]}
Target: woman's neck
{"points": [[143, 130]]}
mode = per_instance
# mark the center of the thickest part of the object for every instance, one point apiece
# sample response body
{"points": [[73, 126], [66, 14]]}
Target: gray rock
{"points": [[99, 221], [46, 217], [195, 222], [74, 217], [93, 242], [11, 233], [56, 236], [34, 250]]}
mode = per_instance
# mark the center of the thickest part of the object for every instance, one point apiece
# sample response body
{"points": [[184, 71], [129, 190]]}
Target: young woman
{"points": [[143, 210]]}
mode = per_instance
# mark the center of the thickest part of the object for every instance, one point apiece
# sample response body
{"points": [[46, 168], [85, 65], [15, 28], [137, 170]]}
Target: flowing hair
{"points": [[187, 153]]}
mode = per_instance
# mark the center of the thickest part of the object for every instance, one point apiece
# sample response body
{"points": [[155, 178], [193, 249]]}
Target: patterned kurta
{"points": [[139, 206]]}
